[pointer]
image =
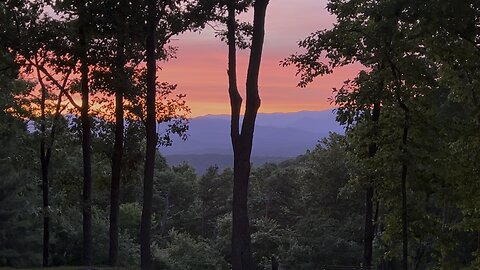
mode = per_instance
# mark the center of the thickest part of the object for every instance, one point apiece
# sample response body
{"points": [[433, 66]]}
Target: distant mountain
{"points": [[278, 136], [202, 162]]}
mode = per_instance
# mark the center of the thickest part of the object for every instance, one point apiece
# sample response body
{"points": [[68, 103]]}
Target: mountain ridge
{"points": [[278, 136]]}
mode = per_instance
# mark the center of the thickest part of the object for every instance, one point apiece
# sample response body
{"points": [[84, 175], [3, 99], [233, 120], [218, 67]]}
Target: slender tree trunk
{"points": [[120, 86], [398, 79], [86, 144], [45, 154], [146, 222], [241, 253], [242, 140], [369, 228], [369, 232], [46, 216], [44, 170], [115, 184], [404, 194]]}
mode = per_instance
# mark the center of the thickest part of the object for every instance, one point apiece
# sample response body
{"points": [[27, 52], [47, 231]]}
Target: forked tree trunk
{"points": [[369, 232], [120, 86], [242, 140], [146, 222], [45, 155]]}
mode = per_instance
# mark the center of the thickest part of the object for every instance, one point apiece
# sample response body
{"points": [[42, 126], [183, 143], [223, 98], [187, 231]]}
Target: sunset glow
{"points": [[200, 69]]}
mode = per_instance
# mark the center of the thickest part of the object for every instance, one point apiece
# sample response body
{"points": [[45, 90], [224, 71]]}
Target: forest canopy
{"points": [[84, 110]]}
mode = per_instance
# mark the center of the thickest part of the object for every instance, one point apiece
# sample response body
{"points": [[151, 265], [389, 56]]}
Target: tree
{"points": [[45, 155], [163, 20], [115, 77], [379, 36], [242, 138], [35, 57], [349, 41], [305, 213], [19, 236], [150, 126], [83, 47], [214, 192], [119, 137]]}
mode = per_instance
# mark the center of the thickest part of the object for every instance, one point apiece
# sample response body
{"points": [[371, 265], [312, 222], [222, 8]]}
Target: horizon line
{"points": [[268, 113]]}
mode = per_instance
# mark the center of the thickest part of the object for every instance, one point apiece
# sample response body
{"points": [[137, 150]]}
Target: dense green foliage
{"points": [[300, 213], [299, 216], [20, 236], [412, 116], [421, 72]]}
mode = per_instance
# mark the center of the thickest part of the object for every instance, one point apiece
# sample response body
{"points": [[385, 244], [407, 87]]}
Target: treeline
{"points": [[412, 117], [401, 188], [301, 215], [97, 61]]}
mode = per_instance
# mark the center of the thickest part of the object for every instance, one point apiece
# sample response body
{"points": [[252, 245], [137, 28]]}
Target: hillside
{"points": [[278, 136], [203, 161]]}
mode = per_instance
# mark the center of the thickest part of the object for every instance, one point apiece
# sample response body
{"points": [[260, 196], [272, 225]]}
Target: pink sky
{"points": [[201, 64]]}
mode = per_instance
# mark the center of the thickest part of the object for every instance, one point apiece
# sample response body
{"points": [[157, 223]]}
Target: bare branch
{"points": [[54, 81]]}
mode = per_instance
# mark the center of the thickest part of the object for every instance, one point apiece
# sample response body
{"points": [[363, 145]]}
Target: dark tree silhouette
{"points": [[150, 126], [120, 88], [242, 139], [369, 232], [34, 54], [86, 135], [47, 140]]}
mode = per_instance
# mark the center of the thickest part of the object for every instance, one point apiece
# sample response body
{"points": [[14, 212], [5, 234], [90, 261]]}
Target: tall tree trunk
{"points": [[86, 143], [115, 182], [45, 154], [404, 194], [120, 85], [146, 222], [242, 140], [398, 87], [369, 228], [46, 215], [44, 162], [369, 232]]}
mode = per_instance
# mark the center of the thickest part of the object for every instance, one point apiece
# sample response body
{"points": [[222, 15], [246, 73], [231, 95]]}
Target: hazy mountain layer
{"points": [[278, 136]]}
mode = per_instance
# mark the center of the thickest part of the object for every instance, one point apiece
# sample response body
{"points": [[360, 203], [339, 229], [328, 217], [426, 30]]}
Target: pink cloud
{"points": [[201, 64]]}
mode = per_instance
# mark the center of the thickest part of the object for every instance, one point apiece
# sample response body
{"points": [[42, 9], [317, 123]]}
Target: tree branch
{"points": [[235, 97], [54, 81]]}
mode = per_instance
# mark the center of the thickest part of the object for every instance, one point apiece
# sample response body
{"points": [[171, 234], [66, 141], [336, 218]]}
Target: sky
{"points": [[200, 69]]}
